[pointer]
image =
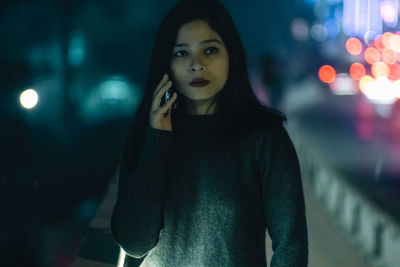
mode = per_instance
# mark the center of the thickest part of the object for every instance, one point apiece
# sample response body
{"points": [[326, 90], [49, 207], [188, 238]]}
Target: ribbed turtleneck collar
{"points": [[198, 117], [195, 121]]}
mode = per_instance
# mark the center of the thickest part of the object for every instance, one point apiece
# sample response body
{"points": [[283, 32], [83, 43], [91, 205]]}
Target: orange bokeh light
{"points": [[386, 39], [394, 72], [327, 74], [372, 55], [364, 81], [357, 71], [389, 56], [353, 46], [380, 69]]}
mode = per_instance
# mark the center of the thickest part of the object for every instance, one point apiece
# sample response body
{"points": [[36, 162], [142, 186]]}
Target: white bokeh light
{"points": [[29, 98], [381, 91], [388, 11], [396, 89]]}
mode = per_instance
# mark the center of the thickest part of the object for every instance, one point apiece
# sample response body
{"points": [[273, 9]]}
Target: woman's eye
{"points": [[180, 53], [211, 50], [208, 51]]}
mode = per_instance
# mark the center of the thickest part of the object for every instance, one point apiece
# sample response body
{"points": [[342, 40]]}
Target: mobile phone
{"points": [[167, 95]]}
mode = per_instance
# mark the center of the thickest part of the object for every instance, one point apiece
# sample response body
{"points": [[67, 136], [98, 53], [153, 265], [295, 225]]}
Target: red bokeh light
{"points": [[394, 72], [357, 71], [353, 46], [327, 74], [378, 42], [372, 55]]}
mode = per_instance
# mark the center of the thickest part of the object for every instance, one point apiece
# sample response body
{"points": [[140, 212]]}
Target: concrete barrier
{"points": [[374, 234]]}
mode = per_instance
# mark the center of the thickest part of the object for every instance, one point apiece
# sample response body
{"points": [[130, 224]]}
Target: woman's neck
{"points": [[200, 107]]}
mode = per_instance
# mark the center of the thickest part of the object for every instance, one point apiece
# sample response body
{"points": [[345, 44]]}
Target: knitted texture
{"points": [[189, 204]]}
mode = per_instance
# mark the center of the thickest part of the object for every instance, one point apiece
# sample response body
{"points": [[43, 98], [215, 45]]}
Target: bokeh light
{"points": [[394, 72], [76, 48], [386, 39], [29, 98], [357, 71], [327, 74], [380, 69], [372, 55], [343, 85], [380, 91], [394, 43], [396, 89], [353, 46], [364, 81], [378, 42], [388, 11], [389, 56], [300, 29], [369, 37], [319, 33]]}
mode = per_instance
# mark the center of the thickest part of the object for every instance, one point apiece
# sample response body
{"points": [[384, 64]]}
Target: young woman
{"points": [[204, 175]]}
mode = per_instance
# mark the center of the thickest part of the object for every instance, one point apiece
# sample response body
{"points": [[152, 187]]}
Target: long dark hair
{"points": [[238, 110]]}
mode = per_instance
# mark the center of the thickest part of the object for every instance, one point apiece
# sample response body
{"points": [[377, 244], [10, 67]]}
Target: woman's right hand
{"points": [[160, 116]]}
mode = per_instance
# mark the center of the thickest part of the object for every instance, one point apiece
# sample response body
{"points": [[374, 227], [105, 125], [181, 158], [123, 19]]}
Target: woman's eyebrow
{"points": [[202, 42]]}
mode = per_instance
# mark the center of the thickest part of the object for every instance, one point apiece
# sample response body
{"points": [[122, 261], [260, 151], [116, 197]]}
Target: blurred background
{"points": [[72, 74]]}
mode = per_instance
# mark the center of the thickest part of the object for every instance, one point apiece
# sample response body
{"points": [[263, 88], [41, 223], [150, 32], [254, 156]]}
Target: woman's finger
{"points": [[157, 97], [160, 84], [168, 104]]}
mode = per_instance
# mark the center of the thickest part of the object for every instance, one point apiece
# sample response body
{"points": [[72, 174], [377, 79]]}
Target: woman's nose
{"points": [[196, 65]]}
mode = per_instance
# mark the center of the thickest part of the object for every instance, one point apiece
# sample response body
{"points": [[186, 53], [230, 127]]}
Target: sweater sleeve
{"points": [[284, 206], [137, 216]]}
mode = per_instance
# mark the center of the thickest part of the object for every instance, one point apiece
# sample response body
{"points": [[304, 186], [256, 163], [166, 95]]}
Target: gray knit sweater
{"points": [[188, 204]]}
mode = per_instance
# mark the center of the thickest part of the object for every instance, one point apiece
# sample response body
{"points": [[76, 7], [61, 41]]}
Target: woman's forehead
{"points": [[197, 31]]}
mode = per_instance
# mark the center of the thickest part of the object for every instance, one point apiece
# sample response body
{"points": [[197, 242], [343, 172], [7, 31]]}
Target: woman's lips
{"points": [[199, 83]]}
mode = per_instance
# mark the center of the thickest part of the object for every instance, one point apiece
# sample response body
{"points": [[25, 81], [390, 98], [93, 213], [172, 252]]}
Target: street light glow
{"points": [[28, 98]]}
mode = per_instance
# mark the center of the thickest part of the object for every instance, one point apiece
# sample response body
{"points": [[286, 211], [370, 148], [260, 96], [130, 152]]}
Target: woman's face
{"points": [[199, 53]]}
